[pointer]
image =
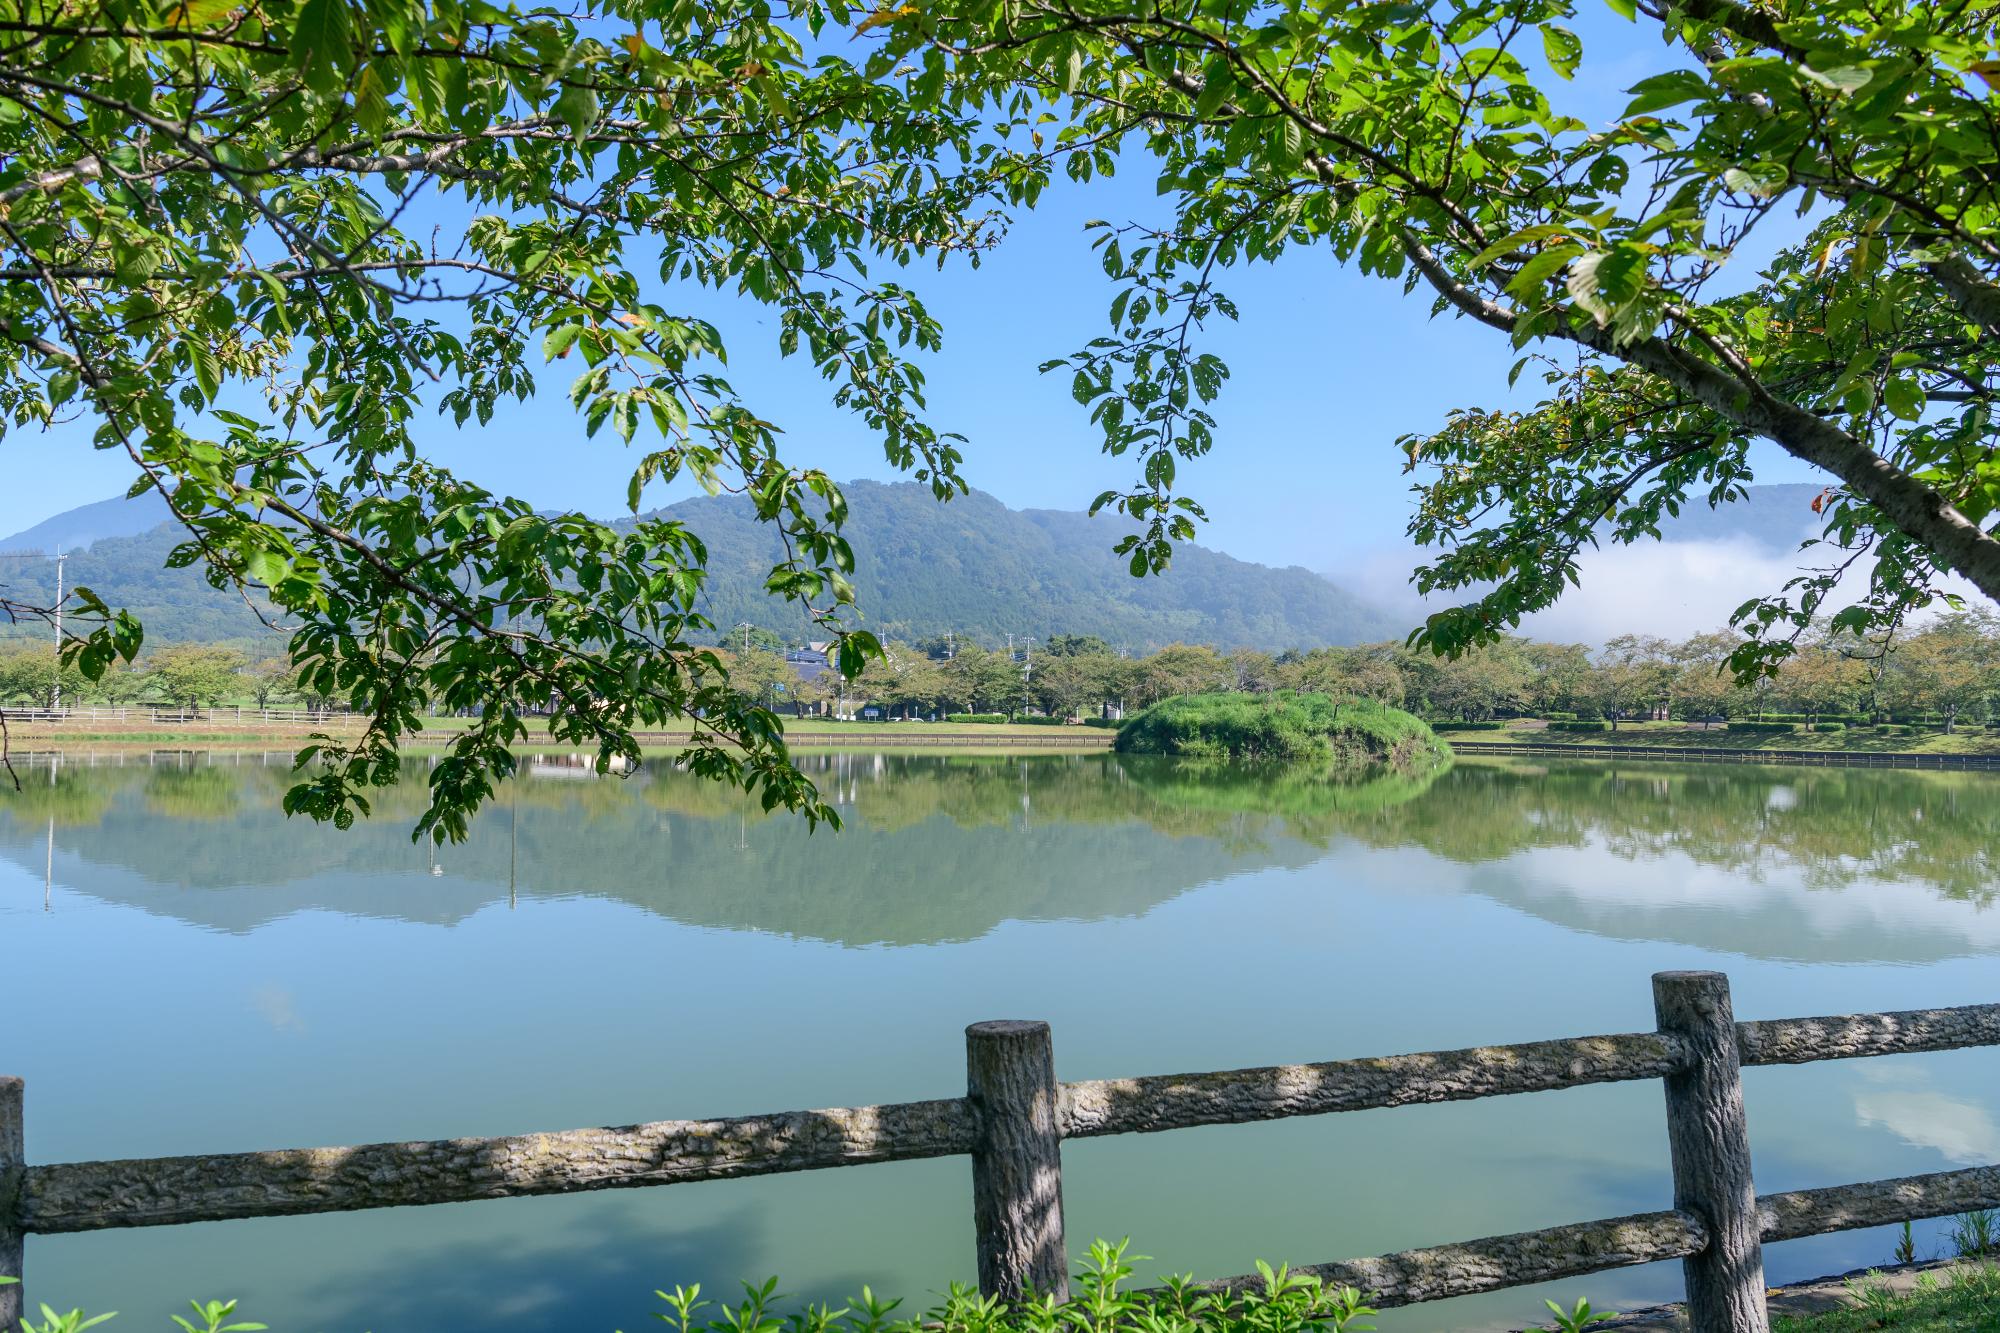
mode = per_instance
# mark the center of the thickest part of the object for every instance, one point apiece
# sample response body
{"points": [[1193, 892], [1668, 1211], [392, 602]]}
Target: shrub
{"points": [[1827, 726], [1576, 726], [1468, 726], [1025, 721], [1558, 717], [1110, 722], [976, 717], [1768, 726], [1285, 727]]}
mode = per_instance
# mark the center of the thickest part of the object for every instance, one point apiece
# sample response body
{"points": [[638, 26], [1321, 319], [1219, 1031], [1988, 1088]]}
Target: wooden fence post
{"points": [[1710, 1140], [1017, 1211], [13, 1241]]}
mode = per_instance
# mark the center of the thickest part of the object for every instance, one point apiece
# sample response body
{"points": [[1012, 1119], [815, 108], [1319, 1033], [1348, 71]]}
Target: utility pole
{"points": [[1027, 667], [55, 696]]}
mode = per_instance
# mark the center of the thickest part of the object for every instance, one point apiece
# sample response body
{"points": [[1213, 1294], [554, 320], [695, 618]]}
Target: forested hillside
{"points": [[972, 567]]}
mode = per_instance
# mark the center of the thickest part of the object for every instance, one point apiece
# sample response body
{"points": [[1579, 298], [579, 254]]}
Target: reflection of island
{"points": [[1727, 858]]}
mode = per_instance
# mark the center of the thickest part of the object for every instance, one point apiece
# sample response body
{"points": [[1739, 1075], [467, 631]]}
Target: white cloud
{"points": [[1667, 588], [1958, 1130]]}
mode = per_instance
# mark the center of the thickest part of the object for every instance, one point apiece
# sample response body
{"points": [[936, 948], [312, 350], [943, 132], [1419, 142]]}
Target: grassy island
{"points": [[1352, 735]]}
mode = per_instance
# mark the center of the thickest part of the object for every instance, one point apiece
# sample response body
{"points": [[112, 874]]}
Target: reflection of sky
{"points": [[318, 1025]]}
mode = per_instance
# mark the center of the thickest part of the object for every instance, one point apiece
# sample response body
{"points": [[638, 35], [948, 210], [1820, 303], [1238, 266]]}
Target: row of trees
{"points": [[184, 675], [1950, 669]]}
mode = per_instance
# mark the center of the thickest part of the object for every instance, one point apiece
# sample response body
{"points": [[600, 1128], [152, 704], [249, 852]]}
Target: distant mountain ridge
{"points": [[74, 529], [972, 567]]}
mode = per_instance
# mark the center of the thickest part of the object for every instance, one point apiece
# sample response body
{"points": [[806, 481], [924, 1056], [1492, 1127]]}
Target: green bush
{"points": [[1026, 721], [1110, 722], [1468, 726], [1577, 726], [1827, 726], [1559, 717], [1769, 725], [1285, 727], [976, 717]]}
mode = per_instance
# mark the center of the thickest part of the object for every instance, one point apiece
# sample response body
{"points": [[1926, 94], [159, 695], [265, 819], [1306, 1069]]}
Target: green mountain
{"points": [[972, 567], [977, 568]]}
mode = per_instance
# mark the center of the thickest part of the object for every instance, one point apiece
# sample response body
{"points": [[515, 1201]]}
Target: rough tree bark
{"points": [[13, 1239], [1017, 1209], [1710, 1139]]}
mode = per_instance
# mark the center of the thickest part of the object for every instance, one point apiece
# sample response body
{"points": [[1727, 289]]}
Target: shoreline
{"points": [[1958, 761]]}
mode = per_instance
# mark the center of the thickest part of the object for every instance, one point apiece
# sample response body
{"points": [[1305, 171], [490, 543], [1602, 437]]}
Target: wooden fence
{"points": [[1014, 1117]]}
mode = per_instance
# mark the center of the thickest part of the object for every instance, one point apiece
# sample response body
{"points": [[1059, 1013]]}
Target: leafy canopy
{"points": [[254, 243], [1427, 143]]}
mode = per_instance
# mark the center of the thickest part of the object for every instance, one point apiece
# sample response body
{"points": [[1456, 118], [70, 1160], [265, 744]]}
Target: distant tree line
{"points": [[1948, 671]]}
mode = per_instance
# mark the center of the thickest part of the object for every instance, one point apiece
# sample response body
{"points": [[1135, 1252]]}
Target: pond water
{"points": [[188, 971]]}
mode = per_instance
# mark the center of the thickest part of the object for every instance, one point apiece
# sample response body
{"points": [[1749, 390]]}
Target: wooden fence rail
{"points": [[1015, 1115]]}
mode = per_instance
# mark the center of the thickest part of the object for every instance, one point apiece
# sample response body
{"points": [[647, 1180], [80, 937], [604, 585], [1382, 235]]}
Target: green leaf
{"points": [[576, 108], [1905, 398], [322, 48], [1563, 48]]}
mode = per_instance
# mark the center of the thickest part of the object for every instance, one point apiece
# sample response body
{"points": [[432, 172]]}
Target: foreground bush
{"points": [[1286, 1303]]}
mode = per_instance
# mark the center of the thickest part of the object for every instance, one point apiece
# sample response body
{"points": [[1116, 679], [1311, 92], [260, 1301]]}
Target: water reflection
{"points": [[1825, 865], [215, 977]]}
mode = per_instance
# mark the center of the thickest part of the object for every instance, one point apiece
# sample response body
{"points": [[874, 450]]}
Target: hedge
{"points": [[1110, 722], [975, 717], [1576, 726], [1827, 726], [1025, 721], [1468, 726], [1559, 717], [1764, 727]]}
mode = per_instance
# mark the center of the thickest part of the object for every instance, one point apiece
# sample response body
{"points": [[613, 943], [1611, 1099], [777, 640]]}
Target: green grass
{"points": [[1963, 1299], [1855, 740]]}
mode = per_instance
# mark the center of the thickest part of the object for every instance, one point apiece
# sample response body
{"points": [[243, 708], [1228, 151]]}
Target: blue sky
{"points": [[1328, 368]]}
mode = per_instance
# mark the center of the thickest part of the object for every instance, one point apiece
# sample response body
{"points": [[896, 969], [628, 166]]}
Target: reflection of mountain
{"points": [[1022, 843], [1824, 864]]}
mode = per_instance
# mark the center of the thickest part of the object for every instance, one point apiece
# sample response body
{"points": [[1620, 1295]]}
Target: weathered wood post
{"points": [[1710, 1139], [1017, 1210], [13, 1164]]}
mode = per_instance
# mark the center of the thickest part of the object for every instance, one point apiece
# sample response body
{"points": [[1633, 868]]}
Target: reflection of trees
{"points": [[72, 797], [201, 792], [942, 848], [1838, 826]]}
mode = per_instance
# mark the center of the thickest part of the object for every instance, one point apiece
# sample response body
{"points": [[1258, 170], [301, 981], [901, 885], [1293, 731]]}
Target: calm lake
{"points": [[188, 971]]}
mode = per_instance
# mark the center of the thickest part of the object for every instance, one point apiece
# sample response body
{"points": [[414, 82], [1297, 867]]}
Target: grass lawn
{"points": [[1963, 1299], [1853, 740], [440, 730]]}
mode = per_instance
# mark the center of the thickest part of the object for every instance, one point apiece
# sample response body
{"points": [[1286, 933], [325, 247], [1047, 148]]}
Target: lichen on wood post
{"points": [[13, 1238], [1710, 1139], [1017, 1208]]}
